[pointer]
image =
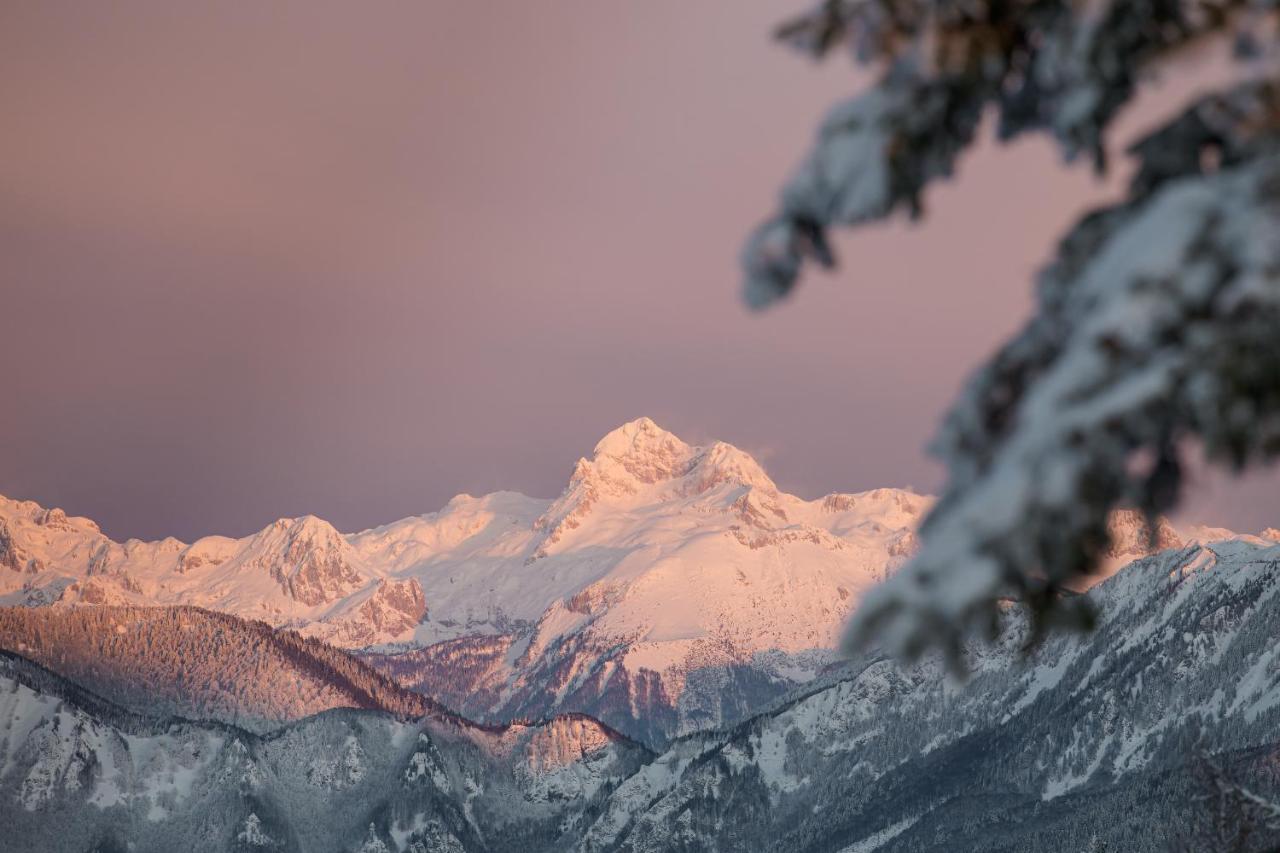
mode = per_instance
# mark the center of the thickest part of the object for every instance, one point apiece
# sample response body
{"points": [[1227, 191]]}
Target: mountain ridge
{"points": [[77, 772], [42, 637]]}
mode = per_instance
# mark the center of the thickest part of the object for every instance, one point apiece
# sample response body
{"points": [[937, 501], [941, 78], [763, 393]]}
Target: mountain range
{"points": [[643, 663], [668, 588]]}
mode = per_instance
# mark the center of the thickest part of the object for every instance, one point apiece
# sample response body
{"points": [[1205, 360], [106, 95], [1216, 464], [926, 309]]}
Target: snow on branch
{"points": [[1158, 321], [1064, 67]]}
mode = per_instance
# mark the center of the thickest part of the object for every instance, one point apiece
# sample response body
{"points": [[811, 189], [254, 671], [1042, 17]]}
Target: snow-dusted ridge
{"points": [[327, 782]]}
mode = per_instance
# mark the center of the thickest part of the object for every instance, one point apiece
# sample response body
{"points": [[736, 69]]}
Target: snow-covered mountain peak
{"points": [[638, 438], [288, 545], [305, 531], [503, 503], [639, 452], [310, 559], [723, 463], [643, 453], [639, 464], [51, 518]]}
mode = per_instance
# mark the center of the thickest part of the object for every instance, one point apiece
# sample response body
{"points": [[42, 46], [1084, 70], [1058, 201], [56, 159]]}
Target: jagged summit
{"points": [[308, 557], [641, 453], [640, 462], [638, 452], [306, 532], [720, 462], [638, 438]]}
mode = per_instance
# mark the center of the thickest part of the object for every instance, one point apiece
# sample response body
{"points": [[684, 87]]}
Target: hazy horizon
{"points": [[263, 264]]}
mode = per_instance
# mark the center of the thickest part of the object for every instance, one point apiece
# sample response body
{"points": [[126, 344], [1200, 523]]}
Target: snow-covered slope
{"points": [[296, 572], [1091, 742], [201, 664]]}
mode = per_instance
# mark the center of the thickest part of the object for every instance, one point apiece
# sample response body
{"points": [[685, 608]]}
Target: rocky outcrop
{"points": [[12, 556], [393, 608], [310, 560], [1132, 537]]}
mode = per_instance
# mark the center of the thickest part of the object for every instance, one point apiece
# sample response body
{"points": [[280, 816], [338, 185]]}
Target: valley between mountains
{"points": [[645, 662]]}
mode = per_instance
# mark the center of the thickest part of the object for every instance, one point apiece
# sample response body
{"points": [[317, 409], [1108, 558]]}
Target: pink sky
{"points": [[263, 260]]}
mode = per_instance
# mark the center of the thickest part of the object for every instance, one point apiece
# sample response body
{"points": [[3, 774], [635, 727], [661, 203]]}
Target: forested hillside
{"points": [[78, 773], [198, 663]]}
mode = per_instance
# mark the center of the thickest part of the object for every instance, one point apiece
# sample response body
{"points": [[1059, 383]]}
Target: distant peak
{"points": [[644, 450], [50, 517], [302, 521], [308, 527], [878, 500], [720, 462], [640, 436], [503, 499]]}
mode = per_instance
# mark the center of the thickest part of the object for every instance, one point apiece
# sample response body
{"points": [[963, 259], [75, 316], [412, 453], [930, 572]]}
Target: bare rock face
{"points": [[95, 591], [12, 555], [594, 599], [318, 579], [53, 517], [905, 544], [102, 558], [837, 502], [1131, 538], [564, 741], [310, 560], [191, 561], [395, 606], [392, 609], [760, 509]]}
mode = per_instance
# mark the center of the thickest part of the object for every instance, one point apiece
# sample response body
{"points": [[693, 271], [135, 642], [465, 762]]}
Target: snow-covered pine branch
{"points": [[1158, 321]]}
